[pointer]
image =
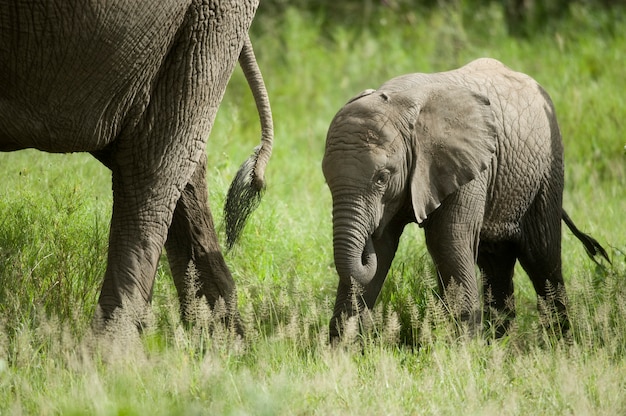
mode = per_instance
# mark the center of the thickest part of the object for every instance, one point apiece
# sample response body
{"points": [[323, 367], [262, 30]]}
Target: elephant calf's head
{"points": [[386, 148]]}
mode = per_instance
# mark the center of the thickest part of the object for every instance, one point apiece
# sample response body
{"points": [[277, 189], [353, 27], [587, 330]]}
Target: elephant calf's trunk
{"points": [[353, 260]]}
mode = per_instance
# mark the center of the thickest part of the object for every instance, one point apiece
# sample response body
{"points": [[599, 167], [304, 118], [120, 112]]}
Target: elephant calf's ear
{"points": [[454, 140], [362, 94]]}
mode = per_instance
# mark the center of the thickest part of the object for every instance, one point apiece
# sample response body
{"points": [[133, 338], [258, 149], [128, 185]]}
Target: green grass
{"points": [[54, 227]]}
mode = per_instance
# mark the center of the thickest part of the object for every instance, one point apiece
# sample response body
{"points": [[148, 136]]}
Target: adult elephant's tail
{"points": [[592, 246], [244, 194], [257, 85]]}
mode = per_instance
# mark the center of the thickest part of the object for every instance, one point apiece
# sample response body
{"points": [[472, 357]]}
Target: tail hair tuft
{"points": [[243, 197]]}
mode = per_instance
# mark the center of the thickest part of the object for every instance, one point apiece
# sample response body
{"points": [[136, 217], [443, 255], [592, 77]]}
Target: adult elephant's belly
{"points": [[74, 106], [54, 128], [80, 114]]}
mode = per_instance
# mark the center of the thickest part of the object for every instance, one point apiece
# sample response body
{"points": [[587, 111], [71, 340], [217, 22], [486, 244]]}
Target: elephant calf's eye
{"points": [[381, 178]]}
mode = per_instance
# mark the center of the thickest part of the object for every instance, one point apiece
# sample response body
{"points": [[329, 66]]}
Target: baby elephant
{"points": [[475, 157]]}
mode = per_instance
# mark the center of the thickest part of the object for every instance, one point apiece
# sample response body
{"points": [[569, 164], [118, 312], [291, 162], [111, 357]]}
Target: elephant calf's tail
{"points": [[592, 246], [244, 194]]}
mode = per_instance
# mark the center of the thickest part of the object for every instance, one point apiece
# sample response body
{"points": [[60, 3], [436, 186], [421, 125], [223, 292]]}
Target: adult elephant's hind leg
{"points": [[198, 267], [160, 143], [142, 211]]}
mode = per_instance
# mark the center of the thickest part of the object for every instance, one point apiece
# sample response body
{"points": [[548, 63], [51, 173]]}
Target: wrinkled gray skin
{"points": [[475, 157], [138, 85]]}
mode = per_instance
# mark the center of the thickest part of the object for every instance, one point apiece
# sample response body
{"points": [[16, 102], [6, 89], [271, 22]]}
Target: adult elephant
{"points": [[475, 157], [137, 84]]}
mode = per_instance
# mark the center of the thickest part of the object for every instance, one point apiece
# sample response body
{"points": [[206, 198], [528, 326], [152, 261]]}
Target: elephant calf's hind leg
{"points": [[546, 276], [497, 263], [540, 256]]}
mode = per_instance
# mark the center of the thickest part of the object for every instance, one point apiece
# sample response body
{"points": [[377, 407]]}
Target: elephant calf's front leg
{"points": [[354, 300], [349, 305], [452, 237]]}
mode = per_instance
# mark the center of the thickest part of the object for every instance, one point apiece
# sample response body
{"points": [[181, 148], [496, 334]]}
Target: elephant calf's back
{"points": [[529, 154]]}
